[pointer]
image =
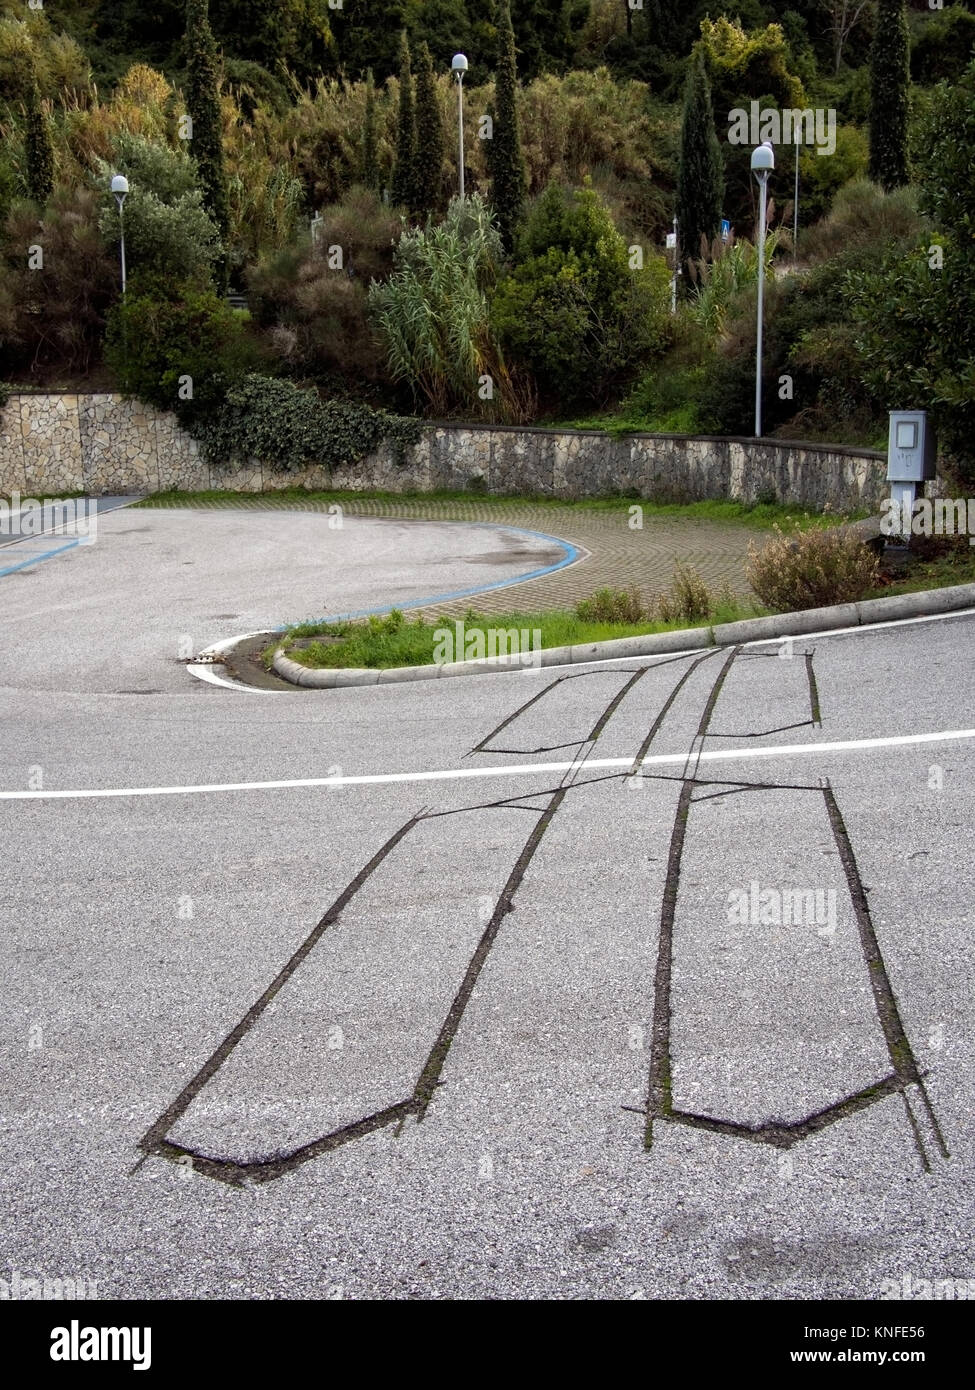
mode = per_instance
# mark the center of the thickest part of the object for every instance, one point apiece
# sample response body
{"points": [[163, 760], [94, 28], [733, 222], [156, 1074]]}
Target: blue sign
{"points": [[725, 229]]}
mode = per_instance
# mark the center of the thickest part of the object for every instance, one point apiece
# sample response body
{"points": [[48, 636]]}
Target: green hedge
{"points": [[287, 427]]}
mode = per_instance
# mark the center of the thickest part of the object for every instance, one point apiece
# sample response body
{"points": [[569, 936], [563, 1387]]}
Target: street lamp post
{"points": [[763, 162], [672, 242], [120, 187], [795, 204], [459, 66]]}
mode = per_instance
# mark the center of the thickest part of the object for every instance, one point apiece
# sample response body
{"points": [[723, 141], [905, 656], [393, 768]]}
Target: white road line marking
{"points": [[205, 671], [716, 755]]}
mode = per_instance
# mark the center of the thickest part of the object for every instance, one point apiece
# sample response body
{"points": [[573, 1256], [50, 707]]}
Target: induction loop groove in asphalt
{"points": [[904, 1078], [905, 1072]]}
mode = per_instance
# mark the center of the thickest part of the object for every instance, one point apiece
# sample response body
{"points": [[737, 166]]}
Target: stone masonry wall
{"points": [[104, 444]]}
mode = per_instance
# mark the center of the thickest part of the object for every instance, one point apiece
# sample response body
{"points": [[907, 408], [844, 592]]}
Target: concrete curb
{"points": [[780, 625]]}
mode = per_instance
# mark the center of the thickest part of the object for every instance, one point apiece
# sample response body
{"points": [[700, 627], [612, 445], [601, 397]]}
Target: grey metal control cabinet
{"points": [[911, 447]]}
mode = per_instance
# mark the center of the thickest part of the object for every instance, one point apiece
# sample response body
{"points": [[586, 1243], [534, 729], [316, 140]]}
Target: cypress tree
{"points": [[700, 174], [370, 159], [203, 104], [505, 158], [403, 191], [429, 136], [890, 75], [38, 150]]}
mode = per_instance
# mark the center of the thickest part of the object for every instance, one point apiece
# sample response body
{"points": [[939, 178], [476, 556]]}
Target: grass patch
{"points": [[380, 642], [759, 516], [383, 641]]}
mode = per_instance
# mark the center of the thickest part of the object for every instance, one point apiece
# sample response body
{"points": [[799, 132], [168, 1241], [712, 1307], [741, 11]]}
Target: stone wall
{"points": [[103, 444]]}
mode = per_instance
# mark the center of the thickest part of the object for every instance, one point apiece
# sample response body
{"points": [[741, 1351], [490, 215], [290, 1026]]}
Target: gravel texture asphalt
{"points": [[649, 979]]}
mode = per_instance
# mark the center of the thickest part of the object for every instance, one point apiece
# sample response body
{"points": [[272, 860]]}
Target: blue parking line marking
{"points": [[45, 555]]}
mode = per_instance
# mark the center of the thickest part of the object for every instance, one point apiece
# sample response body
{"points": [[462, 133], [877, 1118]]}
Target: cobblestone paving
{"points": [[612, 554]]}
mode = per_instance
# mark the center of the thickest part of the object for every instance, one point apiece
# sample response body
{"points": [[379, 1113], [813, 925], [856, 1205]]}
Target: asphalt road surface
{"points": [[650, 979]]}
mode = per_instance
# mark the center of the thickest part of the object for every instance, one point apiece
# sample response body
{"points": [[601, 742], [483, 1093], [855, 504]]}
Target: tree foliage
{"points": [[429, 150], [404, 189], [890, 79], [176, 346], [168, 232], [572, 310], [38, 150], [370, 154], [915, 314], [505, 158], [700, 176], [203, 104], [54, 315]]}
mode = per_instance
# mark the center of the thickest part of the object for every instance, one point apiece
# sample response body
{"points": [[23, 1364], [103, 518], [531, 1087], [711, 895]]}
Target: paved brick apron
{"points": [[615, 556]]}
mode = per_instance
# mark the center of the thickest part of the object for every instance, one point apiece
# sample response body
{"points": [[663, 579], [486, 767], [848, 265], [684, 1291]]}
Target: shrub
{"points": [[863, 218], [915, 314], [167, 231], [821, 177], [612, 606], [572, 311], [432, 314], [688, 599], [165, 341], [810, 569], [287, 427], [55, 317], [30, 51], [313, 312]]}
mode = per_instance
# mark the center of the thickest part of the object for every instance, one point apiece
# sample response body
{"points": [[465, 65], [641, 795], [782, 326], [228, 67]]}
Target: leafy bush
{"points": [[822, 176], [667, 398], [915, 314], [55, 316], [287, 427], [688, 599], [572, 311], [314, 313], [165, 340], [612, 606], [811, 569], [167, 231], [31, 51], [863, 219]]}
